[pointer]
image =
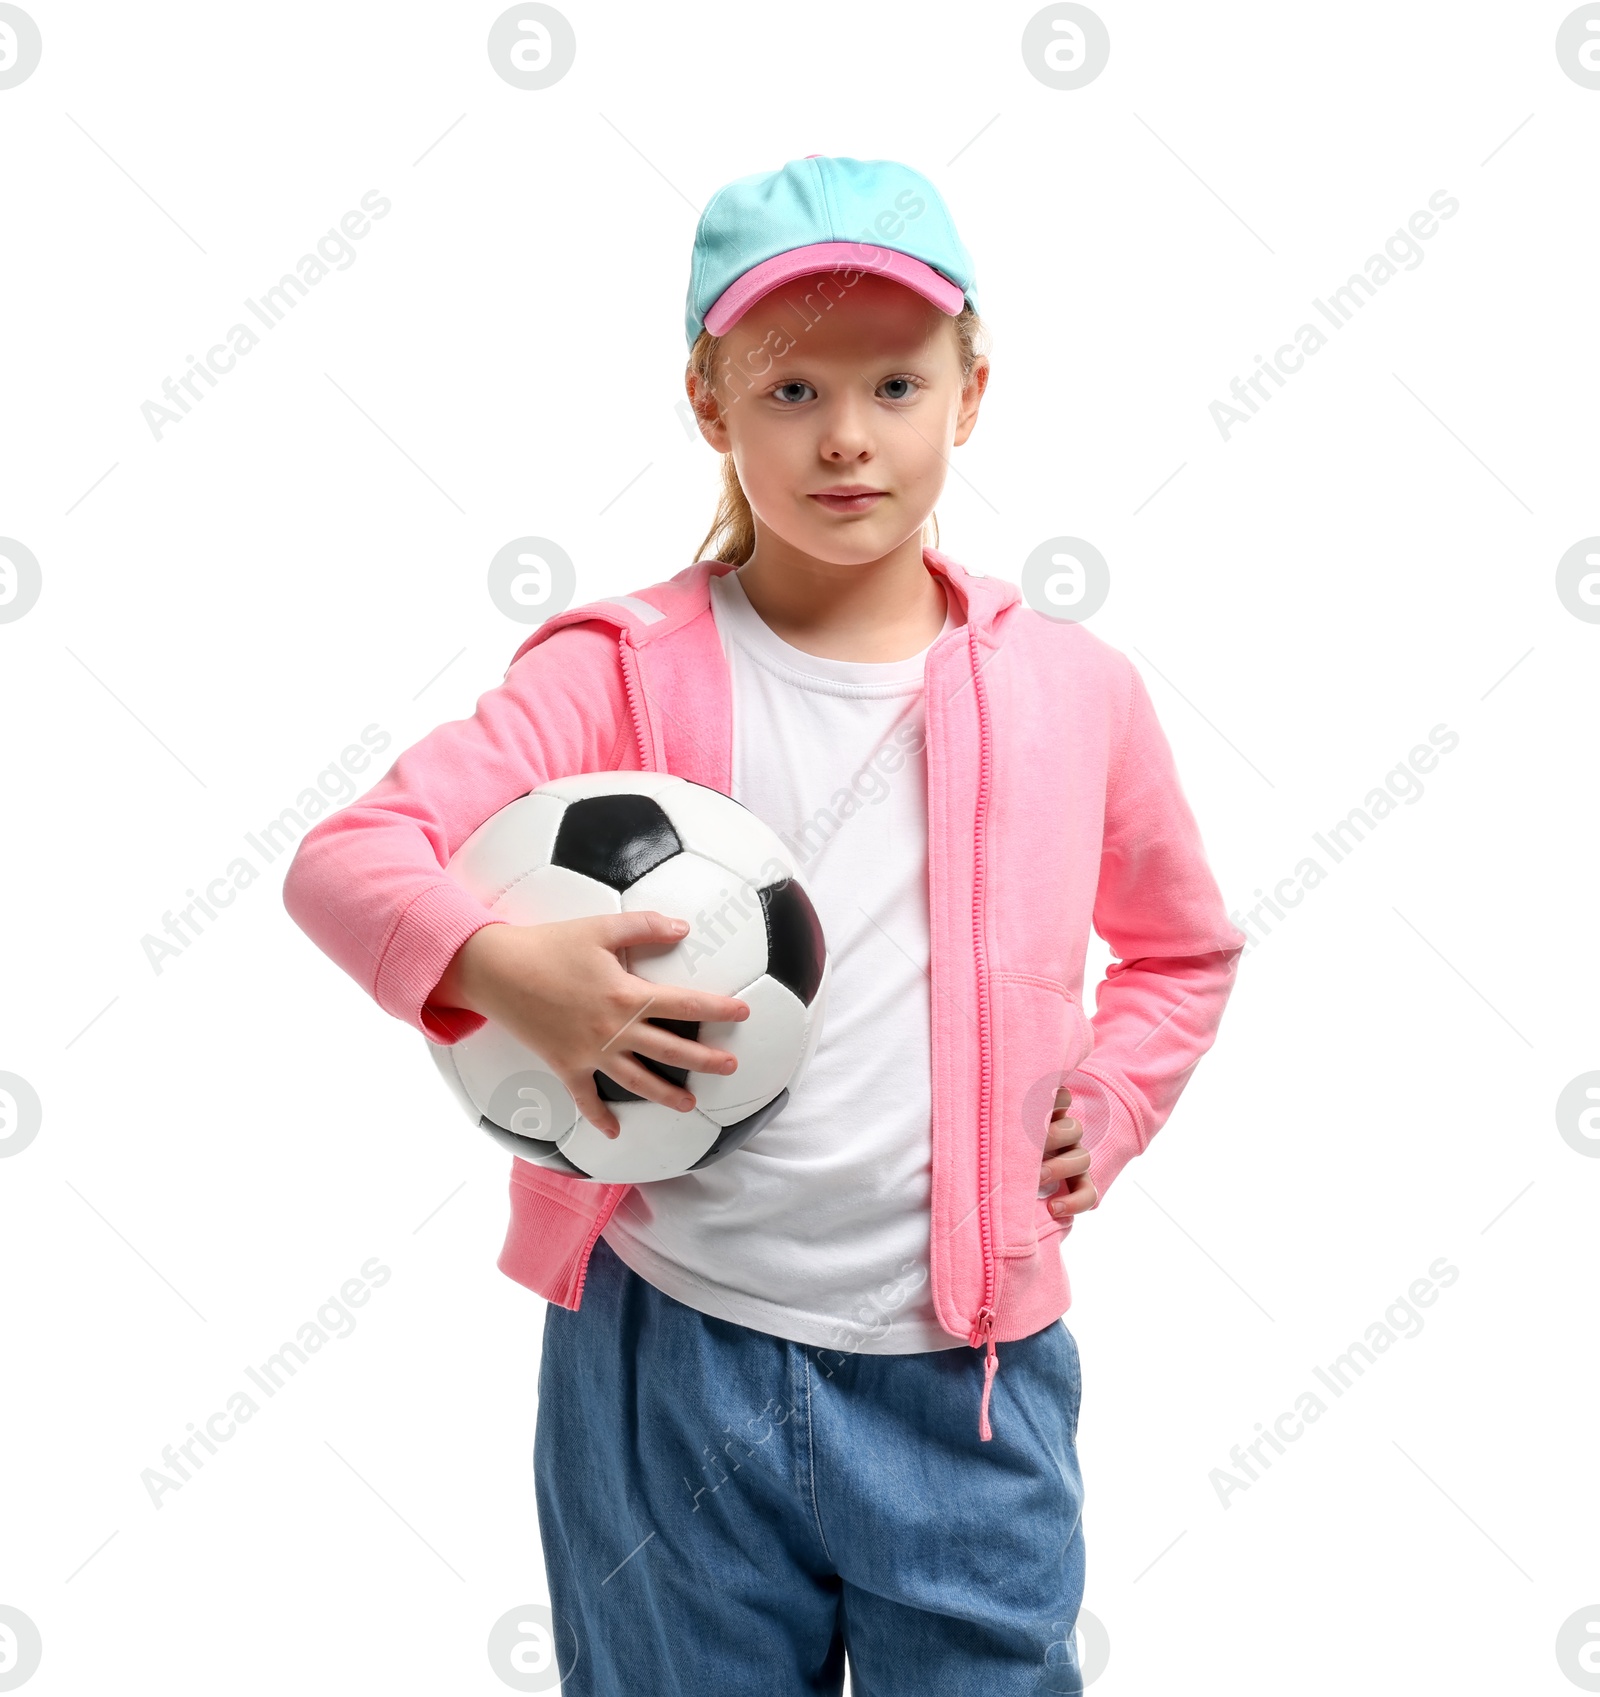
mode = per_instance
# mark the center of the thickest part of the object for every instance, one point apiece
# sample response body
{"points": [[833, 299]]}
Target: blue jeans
{"points": [[726, 1513]]}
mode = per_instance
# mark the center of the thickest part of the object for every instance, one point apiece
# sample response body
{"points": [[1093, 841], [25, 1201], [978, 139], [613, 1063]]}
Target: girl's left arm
{"points": [[1157, 904]]}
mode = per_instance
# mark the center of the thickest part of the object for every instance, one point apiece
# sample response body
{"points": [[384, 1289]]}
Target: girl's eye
{"points": [[793, 383], [908, 389]]}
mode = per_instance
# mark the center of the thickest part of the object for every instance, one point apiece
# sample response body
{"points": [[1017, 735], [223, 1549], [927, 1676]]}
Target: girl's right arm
{"points": [[368, 885]]}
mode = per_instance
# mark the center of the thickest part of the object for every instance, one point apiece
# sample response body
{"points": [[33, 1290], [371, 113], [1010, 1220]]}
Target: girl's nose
{"points": [[846, 434]]}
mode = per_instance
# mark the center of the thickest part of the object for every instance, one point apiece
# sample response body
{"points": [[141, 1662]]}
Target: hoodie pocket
{"points": [[1041, 1036]]}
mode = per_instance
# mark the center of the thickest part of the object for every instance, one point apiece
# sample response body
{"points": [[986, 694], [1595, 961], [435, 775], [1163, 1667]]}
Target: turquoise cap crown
{"points": [[818, 214]]}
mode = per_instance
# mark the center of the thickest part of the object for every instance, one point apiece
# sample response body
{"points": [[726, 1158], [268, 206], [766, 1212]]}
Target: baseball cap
{"points": [[823, 213]]}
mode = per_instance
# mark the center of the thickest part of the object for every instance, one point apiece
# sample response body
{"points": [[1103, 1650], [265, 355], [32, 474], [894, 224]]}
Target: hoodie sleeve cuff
{"points": [[1111, 1125], [422, 944]]}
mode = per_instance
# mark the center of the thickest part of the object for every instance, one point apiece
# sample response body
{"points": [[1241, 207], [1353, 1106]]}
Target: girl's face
{"points": [[821, 388]]}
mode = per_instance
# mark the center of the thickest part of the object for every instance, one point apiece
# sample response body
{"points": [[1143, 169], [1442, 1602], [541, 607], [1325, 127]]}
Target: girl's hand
{"points": [[1066, 1161], [561, 989]]}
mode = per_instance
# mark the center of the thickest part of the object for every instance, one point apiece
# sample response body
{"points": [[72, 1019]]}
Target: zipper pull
{"points": [[991, 1366]]}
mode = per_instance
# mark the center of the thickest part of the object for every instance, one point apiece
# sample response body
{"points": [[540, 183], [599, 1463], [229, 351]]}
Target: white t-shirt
{"points": [[817, 1229]]}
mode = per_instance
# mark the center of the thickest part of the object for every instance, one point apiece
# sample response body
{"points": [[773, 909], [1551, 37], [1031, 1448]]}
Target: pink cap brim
{"points": [[740, 295]]}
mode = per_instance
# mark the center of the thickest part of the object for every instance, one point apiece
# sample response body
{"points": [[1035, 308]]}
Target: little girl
{"points": [[772, 1432]]}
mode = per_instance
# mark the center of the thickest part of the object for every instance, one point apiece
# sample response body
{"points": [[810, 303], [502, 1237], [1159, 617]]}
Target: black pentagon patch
{"points": [[795, 949], [533, 1149], [614, 839], [735, 1136], [610, 1091]]}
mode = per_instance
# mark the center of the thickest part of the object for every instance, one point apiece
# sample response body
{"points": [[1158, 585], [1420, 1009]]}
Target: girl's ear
{"points": [[971, 397], [707, 412]]}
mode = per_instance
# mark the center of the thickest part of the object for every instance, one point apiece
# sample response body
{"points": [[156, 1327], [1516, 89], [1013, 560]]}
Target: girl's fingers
{"points": [[618, 1064], [673, 1001], [1062, 1134], [1070, 1164], [670, 1049], [635, 1076], [589, 1104], [1077, 1196]]}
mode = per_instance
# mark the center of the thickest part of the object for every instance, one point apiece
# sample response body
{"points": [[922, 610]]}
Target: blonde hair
{"points": [[732, 536]]}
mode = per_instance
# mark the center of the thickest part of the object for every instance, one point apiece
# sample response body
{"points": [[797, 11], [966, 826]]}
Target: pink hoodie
{"points": [[1052, 802]]}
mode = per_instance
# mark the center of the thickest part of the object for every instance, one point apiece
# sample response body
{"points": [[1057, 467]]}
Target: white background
{"points": [[226, 1142]]}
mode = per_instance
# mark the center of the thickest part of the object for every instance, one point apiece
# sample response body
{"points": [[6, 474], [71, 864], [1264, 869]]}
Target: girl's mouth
{"points": [[858, 501]]}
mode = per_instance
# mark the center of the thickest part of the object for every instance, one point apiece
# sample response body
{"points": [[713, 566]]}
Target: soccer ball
{"points": [[627, 842]]}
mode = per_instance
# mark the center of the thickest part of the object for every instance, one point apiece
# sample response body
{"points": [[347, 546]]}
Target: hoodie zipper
{"points": [[982, 1333], [625, 658]]}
